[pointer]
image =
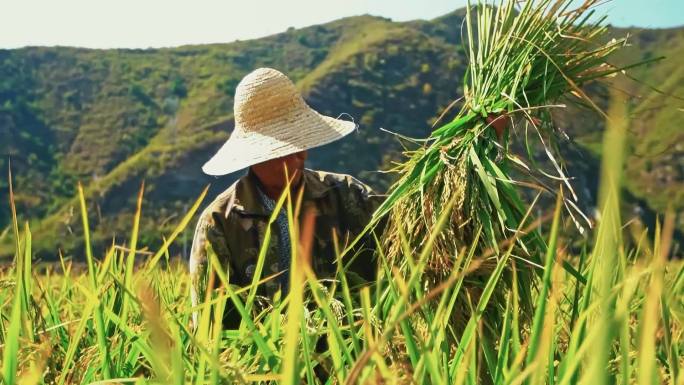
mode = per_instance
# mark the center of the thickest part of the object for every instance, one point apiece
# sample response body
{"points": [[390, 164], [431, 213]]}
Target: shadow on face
{"points": [[272, 173]]}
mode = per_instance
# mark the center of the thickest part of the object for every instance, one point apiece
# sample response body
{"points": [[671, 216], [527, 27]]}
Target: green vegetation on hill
{"points": [[113, 118]]}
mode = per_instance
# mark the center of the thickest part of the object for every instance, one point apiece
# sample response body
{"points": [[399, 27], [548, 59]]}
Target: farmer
{"points": [[274, 127]]}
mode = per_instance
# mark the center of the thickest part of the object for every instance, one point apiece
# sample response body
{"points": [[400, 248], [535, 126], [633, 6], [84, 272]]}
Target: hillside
{"points": [[113, 118]]}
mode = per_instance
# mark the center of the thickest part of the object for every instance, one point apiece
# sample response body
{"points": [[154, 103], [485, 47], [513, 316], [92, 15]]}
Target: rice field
{"points": [[619, 322], [520, 299]]}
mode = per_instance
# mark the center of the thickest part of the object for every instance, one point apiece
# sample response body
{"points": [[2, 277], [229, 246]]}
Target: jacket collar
{"points": [[246, 202]]}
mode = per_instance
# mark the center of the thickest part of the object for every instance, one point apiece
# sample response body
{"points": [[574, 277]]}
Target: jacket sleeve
{"points": [[359, 206], [208, 238], [361, 203]]}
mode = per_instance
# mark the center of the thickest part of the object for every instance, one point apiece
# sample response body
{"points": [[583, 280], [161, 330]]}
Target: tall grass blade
{"points": [[102, 343]]}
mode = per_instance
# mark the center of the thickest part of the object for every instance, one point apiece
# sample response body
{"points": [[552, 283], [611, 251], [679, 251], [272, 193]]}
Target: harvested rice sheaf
{"points": [[525, 58]]}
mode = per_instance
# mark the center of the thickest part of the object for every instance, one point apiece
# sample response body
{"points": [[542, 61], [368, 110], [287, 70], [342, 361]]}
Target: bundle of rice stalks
{"points": [[522, 62]]}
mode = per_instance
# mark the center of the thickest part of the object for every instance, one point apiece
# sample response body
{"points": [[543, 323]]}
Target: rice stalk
{"points": [[522, 62]]}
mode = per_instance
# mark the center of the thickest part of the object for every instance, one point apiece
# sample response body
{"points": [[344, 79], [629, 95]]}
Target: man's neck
{"points": [[272, 191]]}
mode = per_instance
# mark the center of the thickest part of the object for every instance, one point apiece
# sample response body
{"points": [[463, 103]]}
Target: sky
{"points": [[168, 23]]}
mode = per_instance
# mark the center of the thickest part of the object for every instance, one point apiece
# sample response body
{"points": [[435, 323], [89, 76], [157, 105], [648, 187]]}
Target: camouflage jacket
{"points": [[233, 226]]}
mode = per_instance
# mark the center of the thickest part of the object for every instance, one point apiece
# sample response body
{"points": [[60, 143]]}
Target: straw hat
{"points": [[272, 120]]}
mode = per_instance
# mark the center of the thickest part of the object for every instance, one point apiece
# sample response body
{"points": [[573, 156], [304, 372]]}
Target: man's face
{"points": [[272, 172]]}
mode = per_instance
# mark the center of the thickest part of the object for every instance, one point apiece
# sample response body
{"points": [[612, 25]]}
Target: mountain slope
{"points": [[112, 118]]}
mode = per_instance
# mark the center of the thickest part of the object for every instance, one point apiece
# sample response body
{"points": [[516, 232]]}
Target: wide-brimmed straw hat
{"points": [[272, 120]]}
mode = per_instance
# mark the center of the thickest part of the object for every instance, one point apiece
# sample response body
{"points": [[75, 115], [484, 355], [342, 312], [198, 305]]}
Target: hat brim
{"points": [[275, 141]]}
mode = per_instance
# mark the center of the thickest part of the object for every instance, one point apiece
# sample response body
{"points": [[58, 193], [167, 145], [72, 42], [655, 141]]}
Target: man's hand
{"points": [[499, 123]]}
